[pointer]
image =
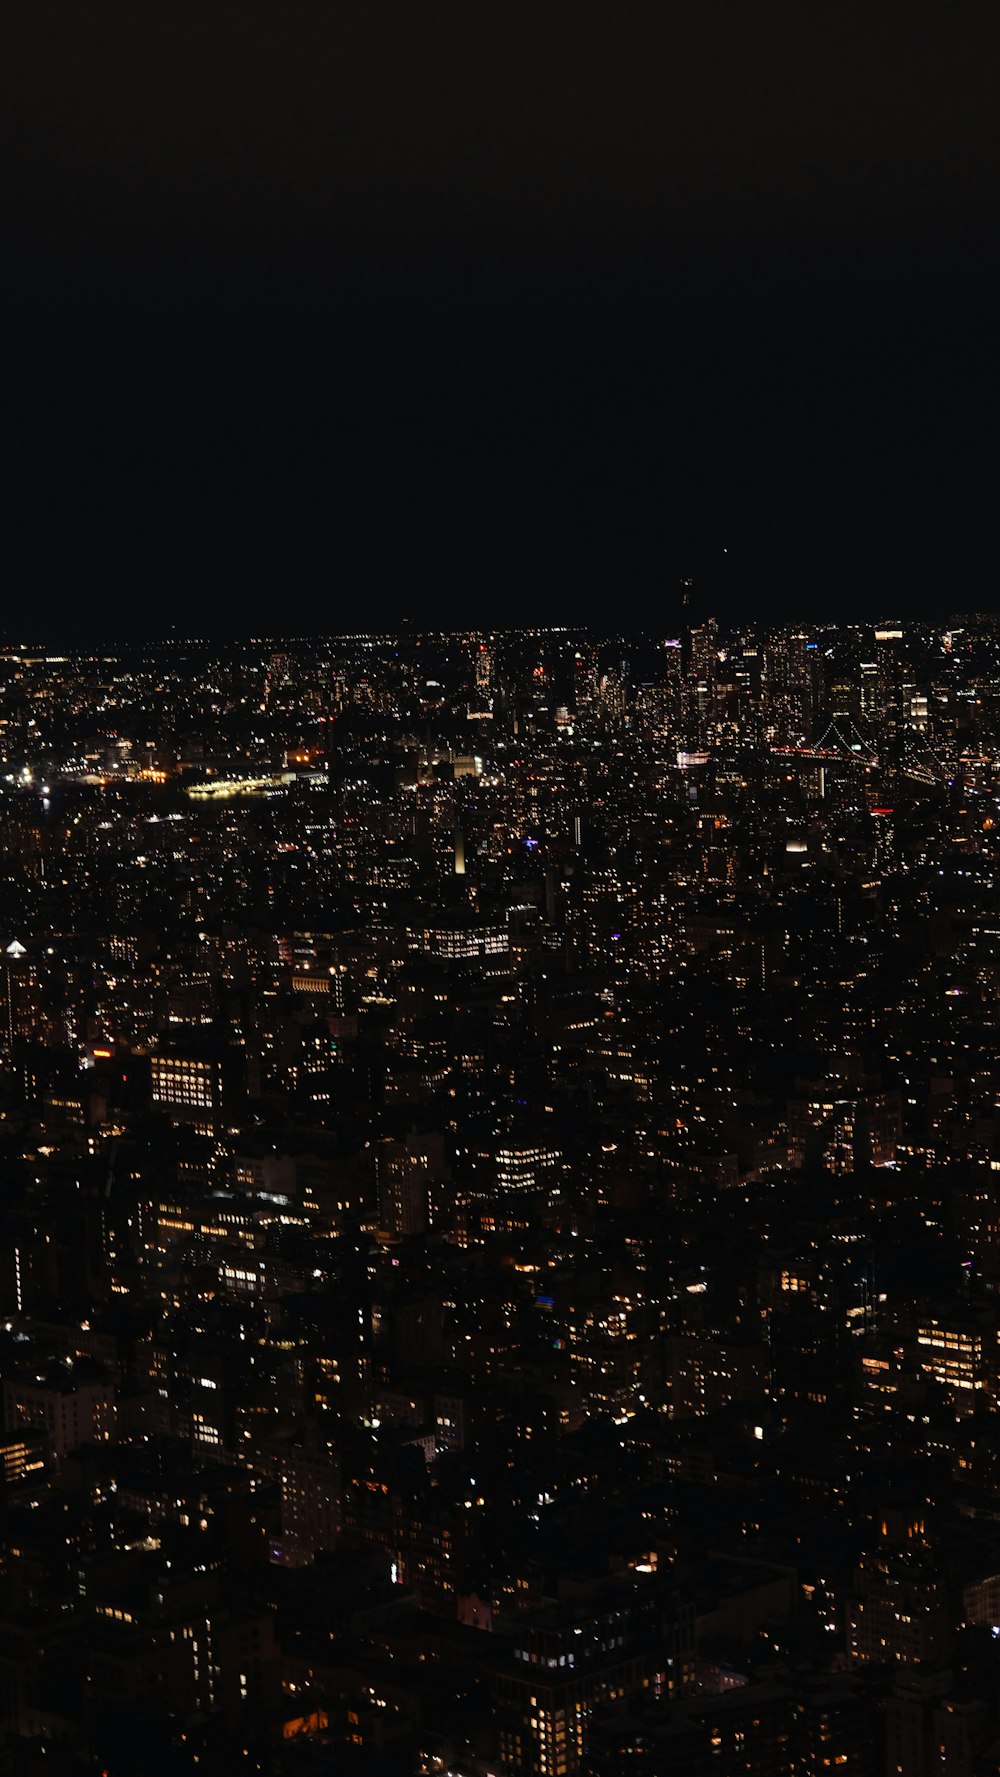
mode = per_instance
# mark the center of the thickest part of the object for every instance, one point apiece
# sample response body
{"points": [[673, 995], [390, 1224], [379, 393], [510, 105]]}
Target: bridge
{"points": [[843, 744]]}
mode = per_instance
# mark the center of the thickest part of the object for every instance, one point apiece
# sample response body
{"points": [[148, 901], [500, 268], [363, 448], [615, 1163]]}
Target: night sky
{"points": [[495, 312]]}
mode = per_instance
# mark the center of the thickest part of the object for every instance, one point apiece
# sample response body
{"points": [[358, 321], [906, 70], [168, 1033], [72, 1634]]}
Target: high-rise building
{"points": [[900, 1612], [572, 1656], [406, 1172]]}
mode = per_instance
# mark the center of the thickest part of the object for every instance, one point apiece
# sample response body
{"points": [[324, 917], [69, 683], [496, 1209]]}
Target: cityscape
{"points": [[500, 1240]]}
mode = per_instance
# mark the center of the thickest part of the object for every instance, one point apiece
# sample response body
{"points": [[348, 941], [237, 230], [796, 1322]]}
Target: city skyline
{"points": [[500, 1241], [500, 889]]}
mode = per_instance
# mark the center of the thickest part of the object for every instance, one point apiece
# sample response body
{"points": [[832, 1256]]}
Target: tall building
{"points": [[702, 668], [201, 1083], [406, 1172], [788, 688], [900, 1612], [20, 988], [573, 1656]]}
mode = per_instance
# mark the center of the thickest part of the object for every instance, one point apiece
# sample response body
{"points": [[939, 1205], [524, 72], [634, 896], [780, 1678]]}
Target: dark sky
{"points": [[497, 310]]}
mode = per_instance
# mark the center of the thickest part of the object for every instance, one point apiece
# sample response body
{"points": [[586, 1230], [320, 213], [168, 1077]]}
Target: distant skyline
{"points": [[525, 1119]]}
